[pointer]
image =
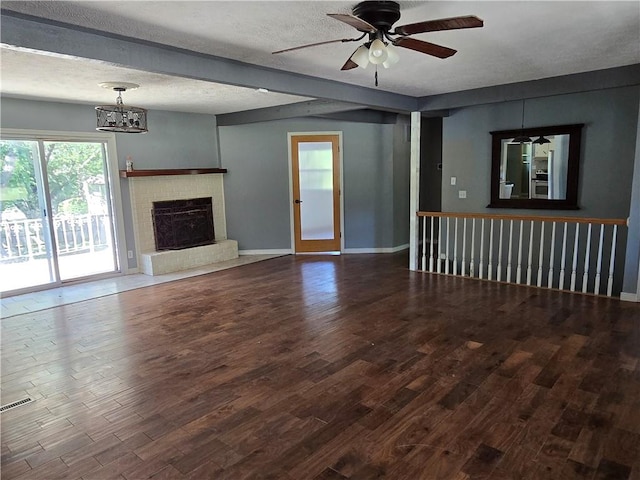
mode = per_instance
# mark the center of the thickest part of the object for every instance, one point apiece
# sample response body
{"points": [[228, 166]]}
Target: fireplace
{"points": [[179, 224]]}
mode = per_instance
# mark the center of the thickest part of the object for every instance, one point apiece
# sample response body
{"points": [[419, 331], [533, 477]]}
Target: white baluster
{"points": [[575, 259], [446, 265], [510, 250], [519, 268], [541, 257], [464, 246], [424, 243], [480, 263], [9, 239], [564, 257], [596, 287], [455, 247], [473, 247], [490, 266], [499, 276], [530, 260], [438, 260], [27, 234], [431, 248], [587, 255], [552, 254], [612, 260]]}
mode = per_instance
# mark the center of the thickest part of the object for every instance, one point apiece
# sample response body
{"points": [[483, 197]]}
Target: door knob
{"points": [[297, 201]]}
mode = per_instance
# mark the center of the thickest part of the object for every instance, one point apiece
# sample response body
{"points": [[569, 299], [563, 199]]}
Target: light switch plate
{"points": [[453, 180]]}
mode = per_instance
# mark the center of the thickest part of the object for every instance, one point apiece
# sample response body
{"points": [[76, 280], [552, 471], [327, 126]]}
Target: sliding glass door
{"points": [[56, 213], [25, 240]]}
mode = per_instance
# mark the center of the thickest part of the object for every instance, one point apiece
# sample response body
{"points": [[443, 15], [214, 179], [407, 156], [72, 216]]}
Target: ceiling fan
{"points": [[374, 19]]}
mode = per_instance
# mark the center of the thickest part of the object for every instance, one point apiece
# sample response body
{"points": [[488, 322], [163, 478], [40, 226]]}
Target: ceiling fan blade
{"points": [[349, 65], [424, 47], [315, 45], [354, 22], [454, 23]]}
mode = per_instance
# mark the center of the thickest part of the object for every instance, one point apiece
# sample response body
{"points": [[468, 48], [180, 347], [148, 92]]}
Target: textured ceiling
{"points": [[77, 81], [520, 41]]}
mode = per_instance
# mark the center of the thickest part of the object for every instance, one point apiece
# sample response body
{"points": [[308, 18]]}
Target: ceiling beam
{"points": [[293, 110], [28, 33], [340, 111], [363, 116], [578, 82]]}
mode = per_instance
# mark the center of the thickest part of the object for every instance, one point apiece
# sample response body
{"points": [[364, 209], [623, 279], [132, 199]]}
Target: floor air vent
{"points": [[9, 406]]}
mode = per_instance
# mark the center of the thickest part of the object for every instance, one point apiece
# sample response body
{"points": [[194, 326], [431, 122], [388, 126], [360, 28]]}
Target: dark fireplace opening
{"points": [[179, 224]]}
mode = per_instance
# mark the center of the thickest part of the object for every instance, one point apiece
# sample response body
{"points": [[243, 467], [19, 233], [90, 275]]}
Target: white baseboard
{"points": [[266, 252], [399, 248], [629, 297]]}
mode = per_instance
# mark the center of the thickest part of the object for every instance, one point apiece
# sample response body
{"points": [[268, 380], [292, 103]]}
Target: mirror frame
{"points": [[573, 167]]}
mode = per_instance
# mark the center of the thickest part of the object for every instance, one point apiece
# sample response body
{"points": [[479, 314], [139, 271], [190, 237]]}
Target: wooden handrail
{"points": [[535, 218]]}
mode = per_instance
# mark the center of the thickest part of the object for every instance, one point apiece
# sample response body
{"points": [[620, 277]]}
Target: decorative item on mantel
{"points": [[129, 164], [121, 118]]}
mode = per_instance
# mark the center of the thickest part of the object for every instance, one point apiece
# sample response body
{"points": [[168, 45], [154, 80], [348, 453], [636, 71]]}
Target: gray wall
{"points": [[608, 148], [631, 283], [401, 179], [175, 140], [608, 155], [257, 185]]}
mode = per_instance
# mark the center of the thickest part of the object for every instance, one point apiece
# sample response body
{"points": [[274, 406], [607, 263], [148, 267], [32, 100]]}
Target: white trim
{"points": [[399, 248], [629, 297], [55, 135], [341, 181], [414, 191], [275, 251]]}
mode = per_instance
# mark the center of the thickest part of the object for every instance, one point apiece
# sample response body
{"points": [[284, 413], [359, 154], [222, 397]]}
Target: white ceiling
{"points": [[520, 41]]}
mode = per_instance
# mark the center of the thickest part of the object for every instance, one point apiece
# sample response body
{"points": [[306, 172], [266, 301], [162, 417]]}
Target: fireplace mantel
{"points": [[174, 171]]}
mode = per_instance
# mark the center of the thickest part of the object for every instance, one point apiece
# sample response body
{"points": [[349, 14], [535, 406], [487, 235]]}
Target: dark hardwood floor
{"points": [[325, 368]]}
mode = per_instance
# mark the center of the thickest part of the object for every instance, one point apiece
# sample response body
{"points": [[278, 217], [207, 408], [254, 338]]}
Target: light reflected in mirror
{"points": [[540, 173], [534, 170]]}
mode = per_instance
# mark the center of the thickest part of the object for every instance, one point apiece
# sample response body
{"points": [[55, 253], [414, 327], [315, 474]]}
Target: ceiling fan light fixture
{"points": [[378, 52], [361, 56], [121, 118], [392, 57]]}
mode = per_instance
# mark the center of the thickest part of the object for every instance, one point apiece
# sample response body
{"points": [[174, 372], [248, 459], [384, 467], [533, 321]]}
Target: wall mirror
{"points": [[536, 167]]}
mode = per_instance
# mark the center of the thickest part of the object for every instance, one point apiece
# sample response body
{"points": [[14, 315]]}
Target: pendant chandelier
{"points": [[522, 138], [541, 140], [121, 118]]}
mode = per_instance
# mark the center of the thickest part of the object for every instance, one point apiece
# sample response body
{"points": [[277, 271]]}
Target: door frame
{"points": [[109, 139], [341, 182]]}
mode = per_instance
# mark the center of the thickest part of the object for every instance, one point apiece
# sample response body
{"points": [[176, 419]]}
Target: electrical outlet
{"points": [[453, 180], [129, 253], [462, 194]]}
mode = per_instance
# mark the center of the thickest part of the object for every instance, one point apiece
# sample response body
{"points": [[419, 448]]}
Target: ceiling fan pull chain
{"points": [[376, 76]]}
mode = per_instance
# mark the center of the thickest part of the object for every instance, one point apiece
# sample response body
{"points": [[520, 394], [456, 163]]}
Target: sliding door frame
{"points": [[113, 174]]}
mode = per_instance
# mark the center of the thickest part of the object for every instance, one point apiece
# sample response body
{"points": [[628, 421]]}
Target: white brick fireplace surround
{"points": [[144, 190]]}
